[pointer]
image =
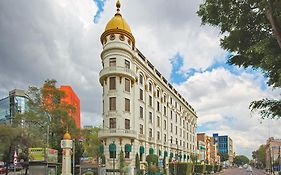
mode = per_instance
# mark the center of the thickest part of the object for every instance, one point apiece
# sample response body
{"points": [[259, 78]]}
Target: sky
{"points": [[51, 39]]}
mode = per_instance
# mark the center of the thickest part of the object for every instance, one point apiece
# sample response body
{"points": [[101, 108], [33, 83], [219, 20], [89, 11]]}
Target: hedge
{"points": [[199, 168], [182, 168], [209, 169]]}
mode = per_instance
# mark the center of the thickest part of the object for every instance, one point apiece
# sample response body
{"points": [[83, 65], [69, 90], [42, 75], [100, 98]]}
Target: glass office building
{"points": [[15, 103]]}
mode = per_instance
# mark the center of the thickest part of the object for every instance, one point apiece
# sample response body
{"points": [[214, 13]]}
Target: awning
{"points": [[141, 149], [203, 147], [151, 151], [101, 148], [112, 147], [171, 154], [165, 154], [128, 148]]}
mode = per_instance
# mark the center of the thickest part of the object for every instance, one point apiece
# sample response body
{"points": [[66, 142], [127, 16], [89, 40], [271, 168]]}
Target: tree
{"points": [[251, 33], [49, 115], [223, 156], [137, 163], [91, 143], [241, 160], [259, 156]]}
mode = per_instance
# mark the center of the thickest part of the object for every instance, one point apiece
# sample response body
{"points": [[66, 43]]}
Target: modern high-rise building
{"points": [[15, 103], [224, 144], [72, 99], [142, 112]]}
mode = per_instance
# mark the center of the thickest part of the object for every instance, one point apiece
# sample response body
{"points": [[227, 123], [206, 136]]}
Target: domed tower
{"points": [[117, 79]]}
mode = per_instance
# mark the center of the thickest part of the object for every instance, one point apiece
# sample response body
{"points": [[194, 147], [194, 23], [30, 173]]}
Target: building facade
{"points": [[224, 145], [15, 103], [207, 145], [72, 99], [273, 154], [142, 112]]}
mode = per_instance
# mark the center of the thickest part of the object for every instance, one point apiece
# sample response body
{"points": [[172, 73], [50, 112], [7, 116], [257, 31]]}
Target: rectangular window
{"points": [[141, 112], [127, 105], [150, 132], [165, 110], [141, 94], [176, 130], [158, 93], [171, 100], [150, 101], [112, 83], [171, 115], [165, 124], [158, 106], [150, 86], [112, 62], [150, 117], [158, 121], [127, 124], [158, 135], [165, 138], [141, 129], [112, 103], [171, 127], [127, 64], [141, 79], [127, 85], [176, 118], [112, 122]]}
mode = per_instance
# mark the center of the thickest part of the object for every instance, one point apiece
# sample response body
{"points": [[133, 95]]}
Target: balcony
{"points": [[117, 71], [117, 133], [141, 137]]}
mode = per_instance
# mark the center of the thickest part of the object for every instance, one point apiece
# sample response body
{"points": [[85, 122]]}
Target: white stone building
{"points": [[142, 112]]}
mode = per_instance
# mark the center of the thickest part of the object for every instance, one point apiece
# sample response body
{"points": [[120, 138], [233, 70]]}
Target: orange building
{"points": [[72, 99]]}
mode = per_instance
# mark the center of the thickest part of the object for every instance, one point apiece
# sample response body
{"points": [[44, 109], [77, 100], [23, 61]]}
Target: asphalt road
{"points": [[241, 171]]}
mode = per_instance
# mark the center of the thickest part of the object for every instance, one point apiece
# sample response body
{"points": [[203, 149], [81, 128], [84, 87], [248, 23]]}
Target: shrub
{"points": [[216, 168], [182, 168], [199, 168], [209, 168]]}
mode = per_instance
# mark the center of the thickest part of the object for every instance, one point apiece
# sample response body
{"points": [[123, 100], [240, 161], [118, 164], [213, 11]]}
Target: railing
{"points": [[118, 70], [118, 132]]}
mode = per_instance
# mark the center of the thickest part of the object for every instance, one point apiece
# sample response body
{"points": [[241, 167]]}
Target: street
{"points": [[242, 171]]}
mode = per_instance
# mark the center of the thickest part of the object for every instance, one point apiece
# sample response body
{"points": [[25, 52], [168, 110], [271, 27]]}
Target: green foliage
{"points": [[152, 160], [137, 163], [103, 159], [216, 168], [194, 158], [199, 168], [252, 34], [223, 156], [153, 169], [121, 160], [91, 143], [259, 156], [209, 168], [184, 168], [241, 160]]}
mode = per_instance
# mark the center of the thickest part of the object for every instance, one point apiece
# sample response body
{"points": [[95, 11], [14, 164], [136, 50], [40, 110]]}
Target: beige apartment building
{"points": [[272, 153], [142, 112]]}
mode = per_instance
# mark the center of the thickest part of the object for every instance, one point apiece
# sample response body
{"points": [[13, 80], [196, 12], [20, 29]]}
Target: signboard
{"points": [[43, 155]]}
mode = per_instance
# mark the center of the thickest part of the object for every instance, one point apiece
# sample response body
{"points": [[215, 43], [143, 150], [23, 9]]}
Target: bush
{"points": [[216, 168], [199, 169], [209, 168]]}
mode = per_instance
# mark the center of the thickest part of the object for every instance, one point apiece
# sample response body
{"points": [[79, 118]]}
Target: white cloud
{"points": [[221, 100]]}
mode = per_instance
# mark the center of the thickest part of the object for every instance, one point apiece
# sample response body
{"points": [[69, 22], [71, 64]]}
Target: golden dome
{"points": [[118, 25], [117, 22], [66, 136]]}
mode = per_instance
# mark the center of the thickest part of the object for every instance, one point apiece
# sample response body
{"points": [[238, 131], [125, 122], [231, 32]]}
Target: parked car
{"points": [[3, 169], [16, 167]]}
